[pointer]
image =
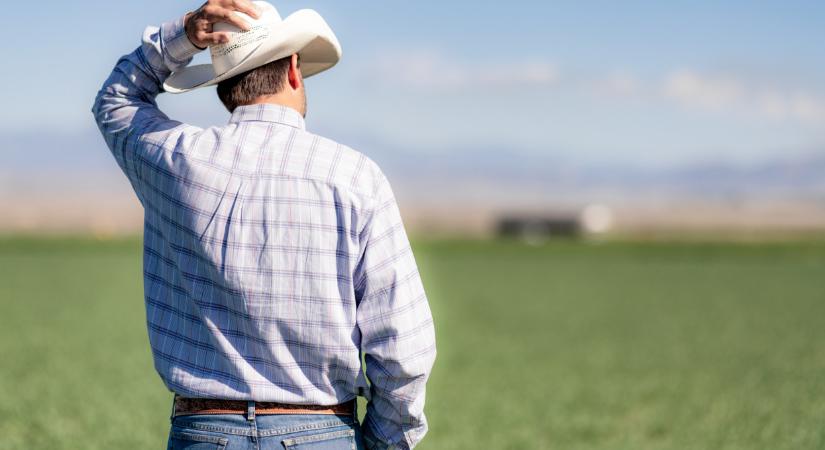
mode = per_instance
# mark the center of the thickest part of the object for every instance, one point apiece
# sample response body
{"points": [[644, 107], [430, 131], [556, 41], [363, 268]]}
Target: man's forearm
{"points": [[138, 77], [398, 368], [125, 108], [397, 333], [395, 418]]}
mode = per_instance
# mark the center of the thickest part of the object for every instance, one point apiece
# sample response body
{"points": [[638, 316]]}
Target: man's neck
{"points": [[279, 100]]}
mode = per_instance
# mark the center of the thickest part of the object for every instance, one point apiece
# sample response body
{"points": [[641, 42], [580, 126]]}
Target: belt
{"points": [[191, 406]]}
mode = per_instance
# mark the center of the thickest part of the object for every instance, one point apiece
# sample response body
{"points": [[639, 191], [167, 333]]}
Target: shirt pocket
{"points": [[334, 440], [196, 440]]}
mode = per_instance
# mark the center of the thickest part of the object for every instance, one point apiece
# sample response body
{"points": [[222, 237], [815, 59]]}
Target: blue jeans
{"points": [[265, 432]]}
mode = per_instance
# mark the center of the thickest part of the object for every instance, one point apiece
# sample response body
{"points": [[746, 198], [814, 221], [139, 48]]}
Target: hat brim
{"points": [[304, 32]]}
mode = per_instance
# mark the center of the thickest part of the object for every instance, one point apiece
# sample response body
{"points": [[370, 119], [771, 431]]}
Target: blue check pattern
{"points": [[273, 258]]}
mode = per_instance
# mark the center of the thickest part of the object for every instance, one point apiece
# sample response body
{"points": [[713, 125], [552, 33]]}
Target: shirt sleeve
{"points": [[397, 334], [125, 109]]}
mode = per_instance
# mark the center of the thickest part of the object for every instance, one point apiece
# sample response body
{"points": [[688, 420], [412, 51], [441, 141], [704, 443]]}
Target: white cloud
{"points": [[434, 71], [728, 94], [807, 107], [691, 89], [773, 104], [618, 83]]}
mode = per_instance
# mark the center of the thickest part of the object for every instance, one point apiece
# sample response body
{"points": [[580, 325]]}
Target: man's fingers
{"points": [[215, 14], [212, 13], [235, 19], [203, 25], [218, 37], [201, 36], [246, 7]]}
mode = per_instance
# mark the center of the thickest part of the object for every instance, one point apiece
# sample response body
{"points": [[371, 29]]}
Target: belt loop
{"points": [[172, 413], [250, 410]]}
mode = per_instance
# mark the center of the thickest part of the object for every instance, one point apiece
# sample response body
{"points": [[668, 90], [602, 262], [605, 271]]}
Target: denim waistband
{"points": [[261, 425]]}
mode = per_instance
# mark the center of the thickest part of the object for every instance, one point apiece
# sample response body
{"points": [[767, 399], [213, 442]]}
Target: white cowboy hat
{"points": [[269, 38]]}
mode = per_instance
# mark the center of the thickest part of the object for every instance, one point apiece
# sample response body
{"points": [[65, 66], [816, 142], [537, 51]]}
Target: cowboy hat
{"points": [[269, 39]]}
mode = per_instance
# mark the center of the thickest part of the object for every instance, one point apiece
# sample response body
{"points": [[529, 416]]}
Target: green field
{"points": [[562, 346]]}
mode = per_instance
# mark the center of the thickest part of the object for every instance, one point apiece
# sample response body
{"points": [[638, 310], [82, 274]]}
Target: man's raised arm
{"points": [[125, 108], [397, 335]]}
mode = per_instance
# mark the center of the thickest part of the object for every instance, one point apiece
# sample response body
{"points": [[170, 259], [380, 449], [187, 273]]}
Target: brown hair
{"points": [[243, 89]]}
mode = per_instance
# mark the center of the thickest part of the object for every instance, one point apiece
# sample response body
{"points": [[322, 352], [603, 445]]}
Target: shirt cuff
{"points": [[177, 45]]}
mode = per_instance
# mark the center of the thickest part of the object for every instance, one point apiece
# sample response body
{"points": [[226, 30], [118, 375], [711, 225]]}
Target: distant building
{"points": [[536, 228], [596, 219]]}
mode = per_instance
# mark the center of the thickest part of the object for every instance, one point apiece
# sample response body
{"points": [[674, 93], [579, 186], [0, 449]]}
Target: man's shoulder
{"points": [[339, 164]]}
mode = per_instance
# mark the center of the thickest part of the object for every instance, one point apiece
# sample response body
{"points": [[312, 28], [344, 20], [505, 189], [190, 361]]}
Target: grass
{"points": [[563, 346]]}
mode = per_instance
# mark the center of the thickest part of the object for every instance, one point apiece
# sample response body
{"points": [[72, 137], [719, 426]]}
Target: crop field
{"points": [[567, 345]]}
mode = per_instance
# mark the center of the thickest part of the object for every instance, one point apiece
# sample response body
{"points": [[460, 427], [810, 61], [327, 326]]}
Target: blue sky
{"points": [[647, 84]]}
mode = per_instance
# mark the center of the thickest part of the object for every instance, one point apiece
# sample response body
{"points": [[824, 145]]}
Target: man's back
{"points": [[274, 259], [254, 232]]}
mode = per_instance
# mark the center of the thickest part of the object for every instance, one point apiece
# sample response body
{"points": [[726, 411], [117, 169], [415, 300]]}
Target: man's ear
{"points": [[296, 79]]}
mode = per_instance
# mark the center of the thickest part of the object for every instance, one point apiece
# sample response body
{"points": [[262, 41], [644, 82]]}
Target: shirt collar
{"points": [[267, 112]]}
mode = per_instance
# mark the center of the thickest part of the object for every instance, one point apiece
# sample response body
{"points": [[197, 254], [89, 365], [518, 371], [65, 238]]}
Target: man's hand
{"points": [[199, 23]]}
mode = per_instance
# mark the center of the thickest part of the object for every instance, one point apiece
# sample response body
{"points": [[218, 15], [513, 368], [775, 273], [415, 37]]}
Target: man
{"points": [[275, 260]]}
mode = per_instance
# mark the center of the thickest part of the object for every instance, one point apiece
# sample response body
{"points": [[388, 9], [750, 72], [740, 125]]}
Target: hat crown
{"points": [[242, 43]]}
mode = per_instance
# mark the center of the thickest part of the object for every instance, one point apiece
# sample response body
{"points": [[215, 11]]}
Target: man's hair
{"points": [[243, 89]]}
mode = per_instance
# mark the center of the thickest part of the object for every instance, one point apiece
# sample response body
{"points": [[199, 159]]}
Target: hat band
{"points": [[240, 46]]}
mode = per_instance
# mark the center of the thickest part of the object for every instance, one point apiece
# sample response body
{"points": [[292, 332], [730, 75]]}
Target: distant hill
{"points": [[70, 180]]}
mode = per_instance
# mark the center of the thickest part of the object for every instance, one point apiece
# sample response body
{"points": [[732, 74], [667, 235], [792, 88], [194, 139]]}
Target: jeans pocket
{"points": [[195, 440], [334, 440]]}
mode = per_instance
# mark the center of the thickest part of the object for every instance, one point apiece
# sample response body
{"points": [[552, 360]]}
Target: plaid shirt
{"points": [[273, 258]]}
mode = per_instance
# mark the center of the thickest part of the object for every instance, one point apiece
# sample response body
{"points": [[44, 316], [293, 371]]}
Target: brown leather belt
{"points": [[191, 406]]}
